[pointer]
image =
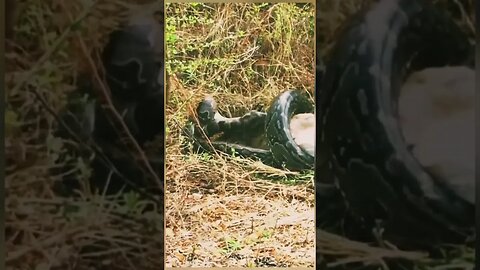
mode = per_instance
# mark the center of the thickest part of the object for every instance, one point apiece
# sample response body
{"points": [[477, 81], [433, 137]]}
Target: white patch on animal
{"points": [[283, 100], [436, 110], [432, 94], [377, 24], [302, 128], [446, 149]]}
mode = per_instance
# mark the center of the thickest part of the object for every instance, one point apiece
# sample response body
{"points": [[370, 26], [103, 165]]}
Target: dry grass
{"points": [[220, 210]]}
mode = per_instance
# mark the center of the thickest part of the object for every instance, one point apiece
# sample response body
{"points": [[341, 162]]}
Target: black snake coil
{"points": [[360, 147], [273, 126]]}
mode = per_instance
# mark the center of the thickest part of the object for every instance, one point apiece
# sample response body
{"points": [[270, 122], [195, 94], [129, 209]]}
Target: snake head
{"points": [[133, 57], [206, 110]]}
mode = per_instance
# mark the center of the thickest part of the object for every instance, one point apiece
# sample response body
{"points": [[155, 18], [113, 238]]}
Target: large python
{"points": [[267, 136], [360, 148]]}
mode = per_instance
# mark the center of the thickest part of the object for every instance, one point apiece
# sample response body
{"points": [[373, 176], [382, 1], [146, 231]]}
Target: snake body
{"points": [[263, 135], [360, 146]]}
